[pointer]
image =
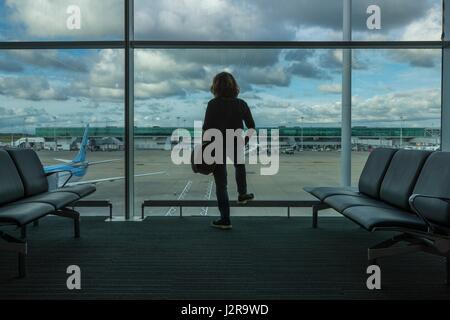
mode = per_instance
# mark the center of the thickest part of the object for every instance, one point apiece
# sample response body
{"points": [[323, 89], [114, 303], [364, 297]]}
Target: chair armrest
{"points": [[59, 171], [412, 200]]}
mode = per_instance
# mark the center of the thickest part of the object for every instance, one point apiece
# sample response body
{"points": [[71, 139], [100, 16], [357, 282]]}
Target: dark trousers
{"points": [[220, 178]]}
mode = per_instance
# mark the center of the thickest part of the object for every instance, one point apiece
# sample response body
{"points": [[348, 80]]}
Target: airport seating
{"points": [[405, 191], [24, 198]]}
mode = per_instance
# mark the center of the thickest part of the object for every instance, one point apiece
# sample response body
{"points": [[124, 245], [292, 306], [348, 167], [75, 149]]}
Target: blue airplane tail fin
{"points": [[81, 156]]}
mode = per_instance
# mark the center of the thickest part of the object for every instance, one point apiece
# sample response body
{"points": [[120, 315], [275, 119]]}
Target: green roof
{"points": [[284, 131]]}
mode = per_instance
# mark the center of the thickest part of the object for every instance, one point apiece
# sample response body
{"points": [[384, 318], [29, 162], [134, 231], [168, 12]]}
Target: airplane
{"points": [[71, 172]]}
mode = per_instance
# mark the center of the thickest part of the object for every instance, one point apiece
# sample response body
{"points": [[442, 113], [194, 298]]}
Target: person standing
{"points": [[227, 111]]}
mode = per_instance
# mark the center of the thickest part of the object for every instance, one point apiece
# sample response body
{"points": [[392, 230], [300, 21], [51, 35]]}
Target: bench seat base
{"points": [[81, 190], [57, 199], [322, 193], [371, 218], [21, 214], [342, 202]]}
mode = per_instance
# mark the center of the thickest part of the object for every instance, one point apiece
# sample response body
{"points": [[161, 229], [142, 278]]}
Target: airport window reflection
{"points": [[62, 102]]}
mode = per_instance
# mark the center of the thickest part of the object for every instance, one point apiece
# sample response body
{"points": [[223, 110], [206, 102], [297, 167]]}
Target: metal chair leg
{"points": [[76, 226], [316, 209], [23, 232], [71, 214], [22, 265], [18, 246], [447, 271], [372, 262], [315, 214]]}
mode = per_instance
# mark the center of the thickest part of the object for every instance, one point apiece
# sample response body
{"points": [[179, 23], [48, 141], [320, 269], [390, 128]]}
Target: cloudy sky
{"points": [[73, 87]]}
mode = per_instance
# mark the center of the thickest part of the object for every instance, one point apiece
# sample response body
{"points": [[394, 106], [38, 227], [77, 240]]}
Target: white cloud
{"points": [[423, 58], [216, 19], [333, 88], [414, 105], [428, 27], [30, 88], [167, 75], [46, 59], [47, 18]]}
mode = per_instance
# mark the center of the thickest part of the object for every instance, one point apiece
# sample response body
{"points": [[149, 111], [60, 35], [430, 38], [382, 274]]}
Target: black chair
{"points": [[24, 198], [399, 190]]}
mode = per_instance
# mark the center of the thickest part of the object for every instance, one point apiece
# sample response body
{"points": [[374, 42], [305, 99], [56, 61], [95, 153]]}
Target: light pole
{"points": [[54, 134], [401, 131], [303, 118]]}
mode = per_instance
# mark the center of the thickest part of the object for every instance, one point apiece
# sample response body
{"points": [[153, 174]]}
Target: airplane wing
{"points": [[103, 161], [111, 179], [63, 160], [86, 164]]}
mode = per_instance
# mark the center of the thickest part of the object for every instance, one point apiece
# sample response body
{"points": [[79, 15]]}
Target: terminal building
{"points": [[308, 138]]}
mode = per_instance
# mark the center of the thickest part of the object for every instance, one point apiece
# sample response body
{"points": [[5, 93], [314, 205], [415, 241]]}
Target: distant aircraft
{"points": [[264, 148], [289, 150], [73, 171], [427, 148]]}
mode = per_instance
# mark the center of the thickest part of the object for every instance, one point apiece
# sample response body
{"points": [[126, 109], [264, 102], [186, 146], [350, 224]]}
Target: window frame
{"points": [[128, 44]]}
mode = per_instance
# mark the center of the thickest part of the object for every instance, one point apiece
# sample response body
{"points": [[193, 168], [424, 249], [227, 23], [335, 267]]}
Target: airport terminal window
{"points": [[54, 94], [399, 20], [47, 100], [65, 20], [396, 101], [235, 20], [294, 91]]}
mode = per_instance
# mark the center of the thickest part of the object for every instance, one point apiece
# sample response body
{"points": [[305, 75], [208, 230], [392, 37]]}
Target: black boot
{"points": [[244, 198], [221, 224]]}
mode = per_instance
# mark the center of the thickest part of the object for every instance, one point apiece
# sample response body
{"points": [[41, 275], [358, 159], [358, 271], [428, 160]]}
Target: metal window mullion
{"points": [[55, 45], [346, 124], [129, 110], [289, 44], [46, 45], [445, 80]]}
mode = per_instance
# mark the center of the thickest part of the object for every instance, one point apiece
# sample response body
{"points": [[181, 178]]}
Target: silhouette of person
{"points": [[227, 111]]}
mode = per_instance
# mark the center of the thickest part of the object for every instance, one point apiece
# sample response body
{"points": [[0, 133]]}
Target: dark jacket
{"points": [[228, 113]]}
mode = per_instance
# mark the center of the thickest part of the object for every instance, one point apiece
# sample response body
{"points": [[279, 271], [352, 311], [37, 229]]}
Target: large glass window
{"points": [[396, 101], [48, 98], [293, 91], [45, 20], [237, 20]]}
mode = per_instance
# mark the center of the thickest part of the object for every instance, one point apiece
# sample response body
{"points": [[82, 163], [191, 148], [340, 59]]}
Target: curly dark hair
{"points": [[225, 86]]}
